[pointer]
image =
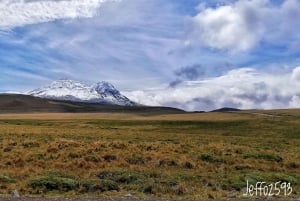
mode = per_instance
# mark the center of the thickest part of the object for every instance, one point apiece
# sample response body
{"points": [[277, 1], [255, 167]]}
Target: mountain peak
{"points": [[105, 87], [67, 83], [70, 90]]}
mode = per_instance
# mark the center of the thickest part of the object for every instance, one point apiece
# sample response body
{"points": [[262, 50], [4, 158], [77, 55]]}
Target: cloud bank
{"points": [[15, 13], [242, 25], [244, 88]]}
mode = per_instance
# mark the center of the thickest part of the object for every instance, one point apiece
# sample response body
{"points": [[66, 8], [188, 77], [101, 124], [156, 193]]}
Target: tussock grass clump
{"points": [[108, 185], [7, 149], [92, 158], [147, 189], [100, 185], [293, 165], [167, 163], [210, 158], [136, 160], [109, 157], [188, 165], [122, 177], [263, 156], [74, 155], [30, 144]]}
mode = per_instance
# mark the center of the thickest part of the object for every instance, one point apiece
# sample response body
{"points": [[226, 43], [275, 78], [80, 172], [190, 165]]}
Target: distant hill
{"points": [[16, 103], [226, 109]]}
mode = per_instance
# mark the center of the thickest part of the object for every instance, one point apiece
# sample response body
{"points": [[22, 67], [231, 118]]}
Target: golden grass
{"points": [[123, 116], [201, 155]]}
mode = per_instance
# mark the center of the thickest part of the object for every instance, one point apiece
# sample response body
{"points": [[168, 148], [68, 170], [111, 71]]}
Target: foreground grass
{"points": [[194, 156]]}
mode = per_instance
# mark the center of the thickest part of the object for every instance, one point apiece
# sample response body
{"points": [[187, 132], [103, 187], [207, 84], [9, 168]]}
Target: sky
{"points": [[190, 54]]}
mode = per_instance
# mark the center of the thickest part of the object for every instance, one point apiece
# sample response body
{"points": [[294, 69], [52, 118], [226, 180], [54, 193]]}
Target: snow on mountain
{"points": [[102, 92]]}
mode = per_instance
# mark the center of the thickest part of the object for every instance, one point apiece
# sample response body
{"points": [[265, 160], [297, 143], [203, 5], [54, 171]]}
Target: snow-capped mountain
{"points": [[102, 92]]}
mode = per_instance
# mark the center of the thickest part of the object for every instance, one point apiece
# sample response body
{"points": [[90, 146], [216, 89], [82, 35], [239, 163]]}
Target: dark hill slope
{"points": [[15, 103], [226, 109]]}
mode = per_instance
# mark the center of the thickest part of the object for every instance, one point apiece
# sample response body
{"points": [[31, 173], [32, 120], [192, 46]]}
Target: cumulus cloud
{"points": [[244, 88], [14, 13], [240, 26]]}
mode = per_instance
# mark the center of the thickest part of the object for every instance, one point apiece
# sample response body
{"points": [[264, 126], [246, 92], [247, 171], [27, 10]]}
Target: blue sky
{"points": [[192, 50]]}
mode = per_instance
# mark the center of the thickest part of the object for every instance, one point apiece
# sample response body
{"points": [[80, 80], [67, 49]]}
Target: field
{"points": [[191, 156]]}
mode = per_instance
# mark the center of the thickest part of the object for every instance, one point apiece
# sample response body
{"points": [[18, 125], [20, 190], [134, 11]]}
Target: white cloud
{"points": [[295, 103], [14, 13], [244, 88], [296, 75], [240, 26]]}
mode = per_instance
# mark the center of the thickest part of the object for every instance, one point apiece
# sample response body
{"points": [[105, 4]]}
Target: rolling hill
{"points": [[16, 103]]}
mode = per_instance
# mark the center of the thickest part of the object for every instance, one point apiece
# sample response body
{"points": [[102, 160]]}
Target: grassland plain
{"points": [[189, 156]]}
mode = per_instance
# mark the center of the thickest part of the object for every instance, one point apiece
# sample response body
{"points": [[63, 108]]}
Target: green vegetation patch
{"points": [[6, 179], [54, 183], [55, 180]]}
